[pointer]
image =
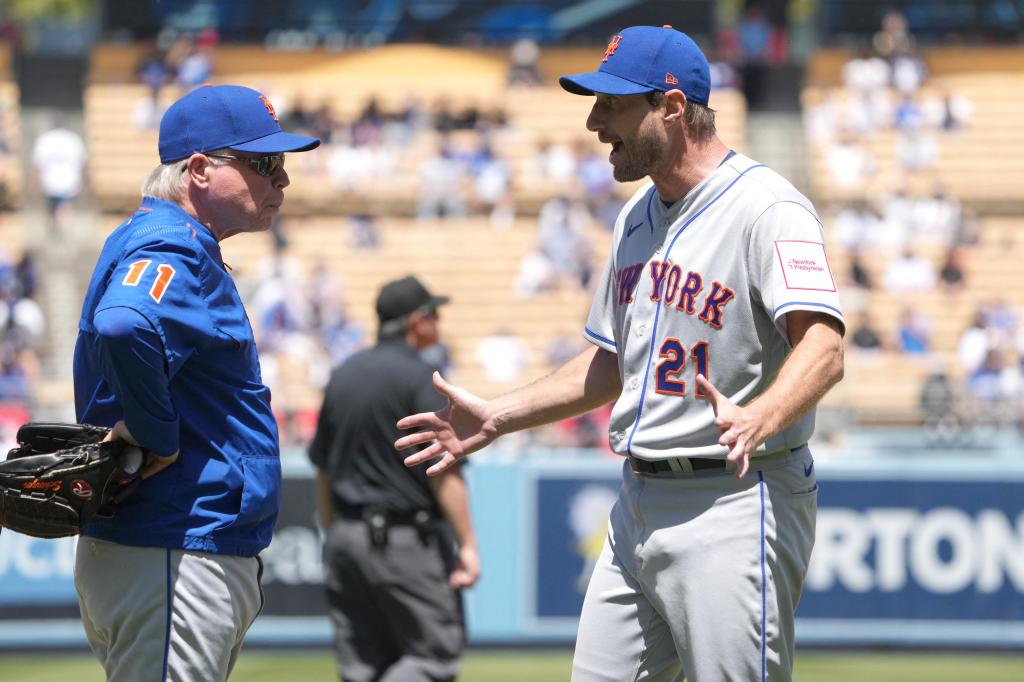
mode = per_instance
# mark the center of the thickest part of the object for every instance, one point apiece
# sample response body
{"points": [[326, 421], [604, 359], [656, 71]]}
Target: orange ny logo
{"points": [[612, 46], [269, 106]]}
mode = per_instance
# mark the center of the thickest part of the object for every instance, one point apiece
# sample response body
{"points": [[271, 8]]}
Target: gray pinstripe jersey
{"points": [[703, 286]]}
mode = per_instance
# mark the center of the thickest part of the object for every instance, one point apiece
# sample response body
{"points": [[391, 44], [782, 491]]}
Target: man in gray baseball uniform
{"points": [[716, 328]]}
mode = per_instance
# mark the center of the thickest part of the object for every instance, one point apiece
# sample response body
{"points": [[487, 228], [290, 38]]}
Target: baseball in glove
{"points": [[63, 475]]}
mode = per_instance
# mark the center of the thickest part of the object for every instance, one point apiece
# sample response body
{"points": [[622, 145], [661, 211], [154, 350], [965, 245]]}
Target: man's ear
{"points": [[198, 169], [675, 105]]}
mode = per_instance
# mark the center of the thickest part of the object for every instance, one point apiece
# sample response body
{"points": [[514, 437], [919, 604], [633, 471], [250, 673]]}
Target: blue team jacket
{"points": [[165, 344]]}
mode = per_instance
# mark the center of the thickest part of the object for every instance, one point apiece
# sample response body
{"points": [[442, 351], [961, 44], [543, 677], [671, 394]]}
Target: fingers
{"points": [[714, 397], [415, 421], [740, 456], [424, 455], [417, 438], [446, 462], [442, 386], [156, 463]]}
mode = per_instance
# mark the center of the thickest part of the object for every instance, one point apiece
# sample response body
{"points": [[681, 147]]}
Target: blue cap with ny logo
{"points": [[640, 59], [225, 116]]}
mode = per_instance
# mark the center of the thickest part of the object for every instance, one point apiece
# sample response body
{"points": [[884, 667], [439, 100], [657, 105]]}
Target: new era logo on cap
{"points": [[640, 59]]}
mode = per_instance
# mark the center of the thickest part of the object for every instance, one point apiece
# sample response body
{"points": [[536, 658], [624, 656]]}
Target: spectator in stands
{"points": [[908, 72], [916, 151], [152, 70], [16, 374], [503, 356], [357, 166], [909, 114], [491, 179], [192, 58], [915, 332], [340, 334], [850, 162], [893, 37], [867, 73], [859, 275], [821, 118], [554, 163], [536, 274], [437, 356], [562, 238], [938, 403], [951, 274], [954, 112], [523, 69], [323, 124], [986, 384], [58, 158], [909, 273], [864, 336], [26, 276], [755, 39], [936, 218], [721, 72], [442, 185], [974, 344], [857, 225], [363, 231], [148, 111], [597, 183], [297, 117]]}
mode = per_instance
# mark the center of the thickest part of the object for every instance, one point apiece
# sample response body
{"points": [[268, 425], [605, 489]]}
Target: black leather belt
{"points": [[677, 465], [355, 512]]}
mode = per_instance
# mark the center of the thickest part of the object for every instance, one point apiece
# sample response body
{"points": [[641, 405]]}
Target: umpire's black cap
{"points": [[400, 298]]}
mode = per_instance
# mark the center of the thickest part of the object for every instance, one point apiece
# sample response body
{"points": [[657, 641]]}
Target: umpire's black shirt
{"points": [[355, 436]]}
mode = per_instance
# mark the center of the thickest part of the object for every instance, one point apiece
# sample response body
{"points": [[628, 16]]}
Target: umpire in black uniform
{"points": [[393, 573]]}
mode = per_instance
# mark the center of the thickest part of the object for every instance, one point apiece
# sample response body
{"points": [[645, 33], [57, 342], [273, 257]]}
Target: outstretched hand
{"points": [[740, 427], [464, 426]]}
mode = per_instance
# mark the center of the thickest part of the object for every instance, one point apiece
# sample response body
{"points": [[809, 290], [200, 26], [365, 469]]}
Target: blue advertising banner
{"points": [[914, 552], [921, 549], [918, 556]]}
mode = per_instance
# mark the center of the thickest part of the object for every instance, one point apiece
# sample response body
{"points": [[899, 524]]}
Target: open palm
{"points": [[462, 427]]}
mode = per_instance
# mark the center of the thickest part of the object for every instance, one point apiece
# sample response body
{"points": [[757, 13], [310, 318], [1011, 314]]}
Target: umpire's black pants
{"points": [[395, 617]]}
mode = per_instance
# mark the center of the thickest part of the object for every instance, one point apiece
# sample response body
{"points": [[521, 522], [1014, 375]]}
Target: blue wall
{"points": [[910, 551]]}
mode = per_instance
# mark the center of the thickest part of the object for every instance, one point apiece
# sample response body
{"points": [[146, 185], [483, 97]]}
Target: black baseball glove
{"points": [[62, 475]]}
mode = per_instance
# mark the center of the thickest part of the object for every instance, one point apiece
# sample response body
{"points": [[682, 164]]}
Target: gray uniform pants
{"points": [[153, 614], [700, 576], [395, 617]]}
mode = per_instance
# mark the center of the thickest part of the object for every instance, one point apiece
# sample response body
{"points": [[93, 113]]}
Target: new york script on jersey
{"points": [[672, 287]]}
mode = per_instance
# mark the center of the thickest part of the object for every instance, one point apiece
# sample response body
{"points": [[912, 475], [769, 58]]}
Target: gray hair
{"points": [[168, 180]]}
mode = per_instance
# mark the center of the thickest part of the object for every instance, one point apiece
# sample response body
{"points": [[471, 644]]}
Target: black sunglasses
{"points": [[264, 165]]}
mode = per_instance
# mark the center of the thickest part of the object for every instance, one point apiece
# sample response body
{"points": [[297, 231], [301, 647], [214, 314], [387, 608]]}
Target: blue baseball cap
{"points": [[640, 59], [225, 116]]}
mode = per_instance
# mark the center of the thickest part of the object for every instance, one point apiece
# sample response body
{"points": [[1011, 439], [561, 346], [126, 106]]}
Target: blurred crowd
{"points": [[457, 159], [903, 249]]}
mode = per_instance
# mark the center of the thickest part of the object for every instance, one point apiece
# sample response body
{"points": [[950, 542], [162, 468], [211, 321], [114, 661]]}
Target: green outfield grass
{"points": [[541, 666]]}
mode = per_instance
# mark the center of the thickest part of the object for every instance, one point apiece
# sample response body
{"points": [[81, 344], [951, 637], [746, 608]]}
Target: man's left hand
{"points": [[742, 429], [467, 568]]}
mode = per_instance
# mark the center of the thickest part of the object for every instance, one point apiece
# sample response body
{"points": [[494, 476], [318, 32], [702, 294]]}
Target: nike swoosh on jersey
{"points": [[633, 228], [808, 469]]}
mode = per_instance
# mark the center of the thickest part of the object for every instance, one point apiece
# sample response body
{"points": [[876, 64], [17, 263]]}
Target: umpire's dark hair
{"points": [[699, 118]]}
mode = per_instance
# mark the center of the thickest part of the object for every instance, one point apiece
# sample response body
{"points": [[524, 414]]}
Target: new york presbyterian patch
{"points": [[804, 265]]}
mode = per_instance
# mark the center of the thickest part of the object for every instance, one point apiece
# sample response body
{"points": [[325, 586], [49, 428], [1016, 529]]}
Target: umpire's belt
{"points": [[676, 465], [361, 512]]}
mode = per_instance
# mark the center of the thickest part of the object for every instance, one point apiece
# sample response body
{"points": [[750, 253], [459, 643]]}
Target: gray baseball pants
{"points": [[700, 575], [154, 615]]}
